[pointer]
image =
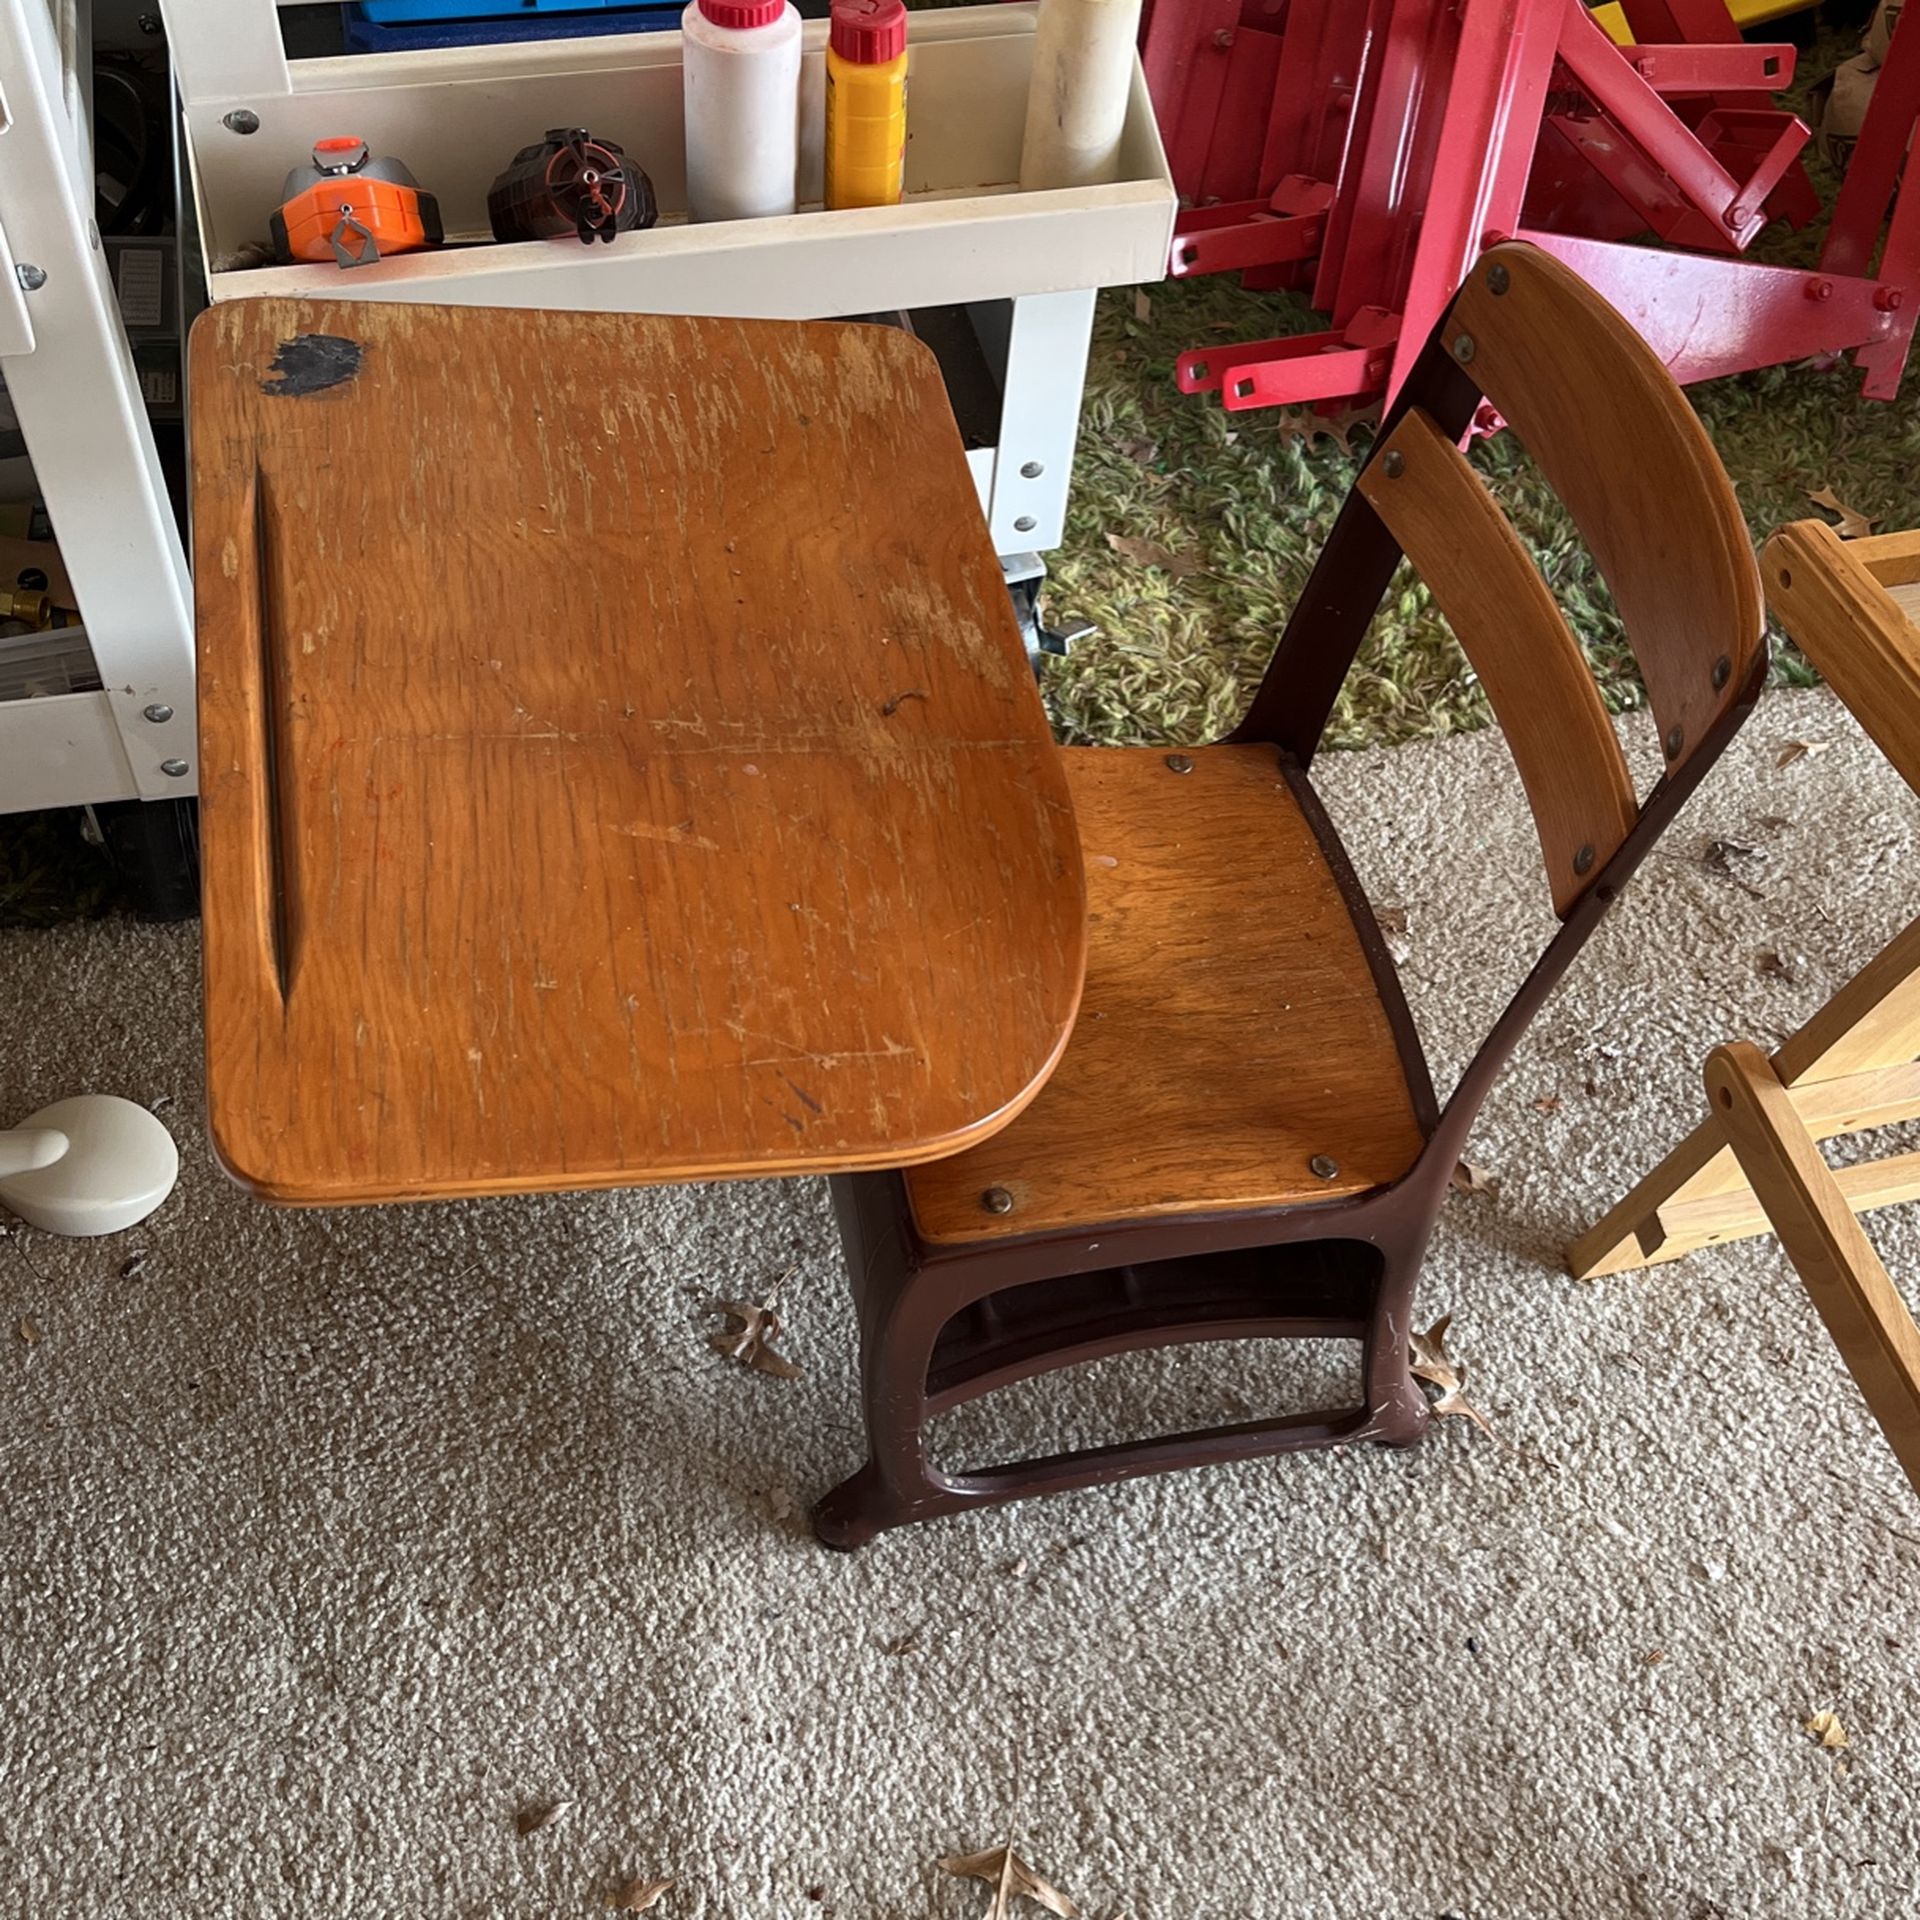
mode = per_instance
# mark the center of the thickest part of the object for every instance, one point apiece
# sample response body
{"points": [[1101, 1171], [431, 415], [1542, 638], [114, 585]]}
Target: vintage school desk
{"points": [[619, 761]]}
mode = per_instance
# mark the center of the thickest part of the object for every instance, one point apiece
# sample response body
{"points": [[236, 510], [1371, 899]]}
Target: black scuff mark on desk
{"points": [[310, 363]]}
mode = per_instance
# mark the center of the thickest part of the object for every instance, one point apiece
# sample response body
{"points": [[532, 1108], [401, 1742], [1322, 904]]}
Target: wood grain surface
{"points": [[1848, 623], [1537, 679], [620, 763], [1230, 1031], [1892, 558], [1629, 458]]}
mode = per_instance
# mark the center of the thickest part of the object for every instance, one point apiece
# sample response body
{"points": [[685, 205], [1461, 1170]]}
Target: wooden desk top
{"points": [[619, 760]]}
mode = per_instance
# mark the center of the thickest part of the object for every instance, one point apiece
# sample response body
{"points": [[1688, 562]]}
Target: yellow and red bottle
{"points": [[866, 103]]}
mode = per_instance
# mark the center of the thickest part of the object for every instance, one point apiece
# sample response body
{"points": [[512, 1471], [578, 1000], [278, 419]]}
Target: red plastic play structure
{"points": [[1364, 152]]}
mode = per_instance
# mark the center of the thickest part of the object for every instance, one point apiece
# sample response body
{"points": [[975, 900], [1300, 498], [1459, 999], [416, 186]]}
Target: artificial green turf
{"points": [[1251, 496]]}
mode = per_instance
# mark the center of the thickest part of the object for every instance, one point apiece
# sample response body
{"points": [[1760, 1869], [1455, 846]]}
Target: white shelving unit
{"points": [[1022, 267], [964, 235], [71, 380]]}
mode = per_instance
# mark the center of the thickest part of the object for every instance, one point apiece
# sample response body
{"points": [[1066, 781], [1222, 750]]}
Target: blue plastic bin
{"points": [[413, 13], [408, 26]]}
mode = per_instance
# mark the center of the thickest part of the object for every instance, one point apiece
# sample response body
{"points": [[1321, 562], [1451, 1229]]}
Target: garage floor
{"points": [[335, 1543]]}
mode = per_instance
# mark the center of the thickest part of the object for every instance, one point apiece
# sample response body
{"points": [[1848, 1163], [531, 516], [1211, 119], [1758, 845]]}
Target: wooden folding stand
{"points": [[1867, 1318], [1852, 607]]}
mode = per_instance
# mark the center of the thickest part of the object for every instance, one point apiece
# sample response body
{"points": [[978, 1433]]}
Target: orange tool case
{"points": [[352, 207]]}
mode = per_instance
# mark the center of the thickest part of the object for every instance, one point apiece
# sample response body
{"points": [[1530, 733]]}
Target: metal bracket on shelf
{"points": [[71, 380], [16, 323], [1042, 368]]}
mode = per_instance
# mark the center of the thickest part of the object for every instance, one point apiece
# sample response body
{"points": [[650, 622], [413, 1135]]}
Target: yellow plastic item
{"points": [[866, 103], [1746, 13]]}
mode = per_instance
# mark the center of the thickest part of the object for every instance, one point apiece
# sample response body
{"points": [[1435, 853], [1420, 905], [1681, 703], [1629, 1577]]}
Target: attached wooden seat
{"points": [[1241, 1139], [1231, 1031]]}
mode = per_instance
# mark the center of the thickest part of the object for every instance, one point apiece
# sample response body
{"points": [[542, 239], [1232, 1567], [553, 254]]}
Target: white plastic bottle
{"points": [[742, 71], [1077, 99]]}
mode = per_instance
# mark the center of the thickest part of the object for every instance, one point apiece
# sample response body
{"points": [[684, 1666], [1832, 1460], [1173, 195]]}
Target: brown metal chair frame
{"points": [[942, 1324]]}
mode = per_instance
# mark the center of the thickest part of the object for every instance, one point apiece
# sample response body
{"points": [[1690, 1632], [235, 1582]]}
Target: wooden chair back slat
{"points": [[1618, 443], [1505, 618]]}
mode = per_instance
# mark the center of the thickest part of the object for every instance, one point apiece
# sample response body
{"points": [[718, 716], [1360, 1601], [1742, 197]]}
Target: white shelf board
{"points": [[963, 232]]}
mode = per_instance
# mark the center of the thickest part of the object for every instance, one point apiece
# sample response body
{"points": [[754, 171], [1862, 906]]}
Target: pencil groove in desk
{"points": [[277, 854]]}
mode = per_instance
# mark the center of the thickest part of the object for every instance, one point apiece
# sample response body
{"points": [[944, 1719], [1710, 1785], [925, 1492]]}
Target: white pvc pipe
{"points": [[1077, 100]]}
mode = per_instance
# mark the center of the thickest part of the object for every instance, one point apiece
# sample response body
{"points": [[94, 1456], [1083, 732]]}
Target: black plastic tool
{"points": [[570, 183]]}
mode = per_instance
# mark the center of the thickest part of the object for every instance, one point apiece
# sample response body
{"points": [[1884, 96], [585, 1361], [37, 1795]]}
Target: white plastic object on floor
{"points": [[1077, 99], [742, 79], [90, 1165]]}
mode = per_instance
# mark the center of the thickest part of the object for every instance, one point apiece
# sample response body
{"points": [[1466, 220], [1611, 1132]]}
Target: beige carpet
{"points": [[330, 1543]]}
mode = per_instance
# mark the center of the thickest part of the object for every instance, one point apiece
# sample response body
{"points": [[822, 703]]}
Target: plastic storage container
{"points": [[742, 77], [411, 26], [866, 103], [409, 12]]}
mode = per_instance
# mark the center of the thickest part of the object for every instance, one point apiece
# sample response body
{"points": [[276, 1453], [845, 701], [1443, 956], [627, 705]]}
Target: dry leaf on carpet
{"points": [[637, 1896], [1797, 749], [1011, 1879], [1150, 553], [1429, 1360], [751, 1341], [1779, 966], [28, 1331], [1393, 923], [1826, 1728], [1723, 856], [1852, 524], [1468, 1178], [537, 1819], [1309, 424], [1547, 1103]]}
